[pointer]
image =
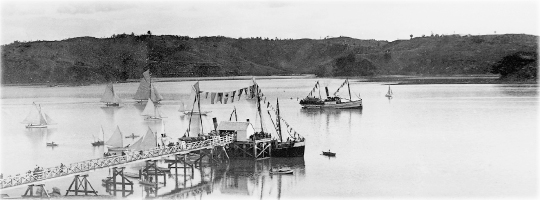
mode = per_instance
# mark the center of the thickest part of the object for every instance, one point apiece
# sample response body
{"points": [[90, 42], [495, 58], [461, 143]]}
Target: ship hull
{"points": [[296, 150], [343, 105], [36, 126]]}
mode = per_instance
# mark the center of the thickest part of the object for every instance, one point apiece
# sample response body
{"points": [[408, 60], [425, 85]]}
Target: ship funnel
{"points": [[215, 123], [327, 94]]}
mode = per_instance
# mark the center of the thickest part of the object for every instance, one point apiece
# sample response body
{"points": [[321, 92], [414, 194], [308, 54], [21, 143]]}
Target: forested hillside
{"points": [[124, 56]]}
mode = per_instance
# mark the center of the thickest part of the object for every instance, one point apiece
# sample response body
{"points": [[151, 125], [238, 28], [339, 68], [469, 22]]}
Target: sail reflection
{"points": [[110, 112]]}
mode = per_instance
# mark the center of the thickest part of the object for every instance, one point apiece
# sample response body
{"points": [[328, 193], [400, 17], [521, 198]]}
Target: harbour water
{"points": [[429, 141]]}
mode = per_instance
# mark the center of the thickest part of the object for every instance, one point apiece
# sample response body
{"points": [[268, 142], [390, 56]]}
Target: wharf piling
{"points": [[118, 173], [40, 193], [81, 183]]}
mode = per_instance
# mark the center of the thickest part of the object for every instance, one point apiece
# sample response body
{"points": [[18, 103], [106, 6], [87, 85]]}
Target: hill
{"points": [[121, 57]]}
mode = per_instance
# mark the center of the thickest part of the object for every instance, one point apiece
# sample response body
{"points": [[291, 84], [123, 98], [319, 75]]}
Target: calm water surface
{"points": [[428, 141]]}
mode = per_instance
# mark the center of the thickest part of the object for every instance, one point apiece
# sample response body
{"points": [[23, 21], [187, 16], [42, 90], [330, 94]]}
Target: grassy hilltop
{"points": [[121, 57]]}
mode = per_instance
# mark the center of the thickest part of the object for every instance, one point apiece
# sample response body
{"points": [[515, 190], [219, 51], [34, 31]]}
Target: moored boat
{"points": [[328, 153], [389, 94], [99, 142], [293, 147], [281, 171], [147, 183], [51, 144], [331, 101], [131, 174]]}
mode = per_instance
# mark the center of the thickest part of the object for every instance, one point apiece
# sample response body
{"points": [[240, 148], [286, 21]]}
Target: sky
{"points": [[31, 20]]}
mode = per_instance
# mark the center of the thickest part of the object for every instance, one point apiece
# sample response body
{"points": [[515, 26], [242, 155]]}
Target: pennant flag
{"points": [[240, 93], [219, 96], [212, 97], [196, 86]]}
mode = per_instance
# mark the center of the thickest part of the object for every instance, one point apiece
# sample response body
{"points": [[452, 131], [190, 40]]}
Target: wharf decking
{"points": [[98, 163]]}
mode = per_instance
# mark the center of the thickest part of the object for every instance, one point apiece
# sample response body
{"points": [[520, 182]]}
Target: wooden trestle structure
{"points": [[30, 191], [98, 163], [81, 185], [256, 149], [111, 183]]}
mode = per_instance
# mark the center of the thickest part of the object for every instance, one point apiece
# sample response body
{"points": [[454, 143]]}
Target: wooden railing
{"points": [[98, 163]]}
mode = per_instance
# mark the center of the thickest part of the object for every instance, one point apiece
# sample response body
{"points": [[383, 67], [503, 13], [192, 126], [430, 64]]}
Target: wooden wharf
{"points": [[99, 163]]}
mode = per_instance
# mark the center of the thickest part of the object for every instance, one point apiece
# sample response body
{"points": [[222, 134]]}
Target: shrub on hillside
{"points": [[520, 65]]}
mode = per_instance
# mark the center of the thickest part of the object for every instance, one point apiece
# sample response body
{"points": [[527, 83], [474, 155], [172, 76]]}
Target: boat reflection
{"points": [[314, 112], [234, 177]]}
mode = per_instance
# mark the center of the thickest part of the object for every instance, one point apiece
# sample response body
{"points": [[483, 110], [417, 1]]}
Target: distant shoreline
{"points": [[389, 79], [179, 79]]}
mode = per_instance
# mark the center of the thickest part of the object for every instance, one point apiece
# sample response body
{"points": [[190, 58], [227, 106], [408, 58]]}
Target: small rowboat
{"points": [[147, 183], [282, 171], [51, 144], [132, 136], [131, 175], [328, 153]]}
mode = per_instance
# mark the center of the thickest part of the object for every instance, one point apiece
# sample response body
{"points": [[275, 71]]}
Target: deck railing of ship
{"points": [[98, 163]]}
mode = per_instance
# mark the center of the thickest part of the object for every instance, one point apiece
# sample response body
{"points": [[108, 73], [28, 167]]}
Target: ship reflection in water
{"points": [[228, 179]]}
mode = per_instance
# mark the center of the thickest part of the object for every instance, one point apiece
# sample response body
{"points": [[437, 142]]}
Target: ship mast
{"points": [[348, 86], [198, 97], [278, 121], [259, 106]]}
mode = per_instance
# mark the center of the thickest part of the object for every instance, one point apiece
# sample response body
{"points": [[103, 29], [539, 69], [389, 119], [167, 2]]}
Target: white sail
{"points": [[116, 139], [37, 118], [182, 107], [49, 120], [192, 104], [98, 138], [149, 110], [101, 135], [109, 96], [155, 95], [33, 117], [147, 90], [148, 141]]}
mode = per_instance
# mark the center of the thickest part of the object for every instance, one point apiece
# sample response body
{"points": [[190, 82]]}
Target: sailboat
{"points": [[151, 111], [99, 142], [147, 89], [196, 118], [190, 108], [331, 101], [109, 97], [115, 144], [36, 118], [389, 93], [148, 141]]}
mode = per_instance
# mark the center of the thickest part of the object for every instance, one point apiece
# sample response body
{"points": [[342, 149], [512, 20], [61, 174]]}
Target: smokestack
{"points": [[327, 94], [215, 123]]}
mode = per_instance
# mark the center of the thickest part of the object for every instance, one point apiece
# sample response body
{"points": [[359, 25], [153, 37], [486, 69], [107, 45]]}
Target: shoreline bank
{"points": [[389, 79]]}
